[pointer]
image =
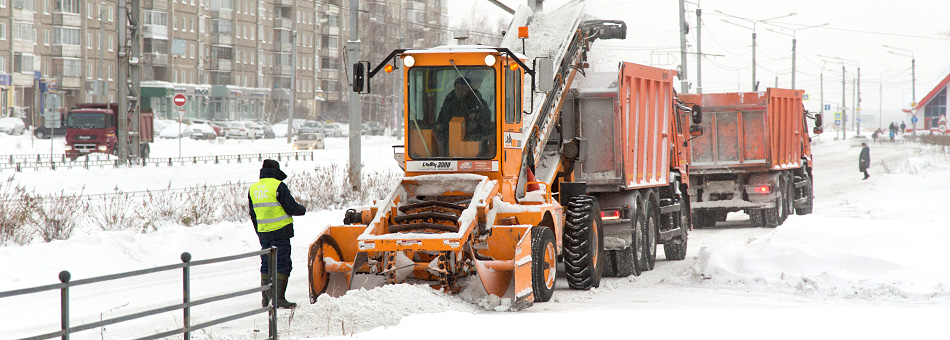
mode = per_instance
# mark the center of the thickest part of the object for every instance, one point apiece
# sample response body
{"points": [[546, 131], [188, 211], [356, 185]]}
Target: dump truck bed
{"points": [[748, 131], [626, 119]]}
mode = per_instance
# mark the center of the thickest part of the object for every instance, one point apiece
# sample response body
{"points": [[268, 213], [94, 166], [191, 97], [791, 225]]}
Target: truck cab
{"points": [[90, 129]]}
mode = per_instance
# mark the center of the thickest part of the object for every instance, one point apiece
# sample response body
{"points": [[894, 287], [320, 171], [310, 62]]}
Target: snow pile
{"points": [[850, 265], [362, 310]]}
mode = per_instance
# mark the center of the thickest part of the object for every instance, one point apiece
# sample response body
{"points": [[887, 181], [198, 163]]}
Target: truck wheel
{"points": [[583, 243], [720, 216], [675, 249], [773, 216], [40, 134], [543, 263], [648, 247], [807, 193], [788, 197], [756, 217]]}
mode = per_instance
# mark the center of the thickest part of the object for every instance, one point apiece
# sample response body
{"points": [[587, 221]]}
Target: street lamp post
{"points": [[913, 79], [857, 90], [755, 85], [794, 43]]}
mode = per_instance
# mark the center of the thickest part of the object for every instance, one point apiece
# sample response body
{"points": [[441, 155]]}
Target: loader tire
{"points": [[543, 263], [675, 249], [583, 243]]}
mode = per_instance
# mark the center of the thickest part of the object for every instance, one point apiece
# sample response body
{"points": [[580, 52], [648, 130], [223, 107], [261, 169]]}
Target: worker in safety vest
{"points": [[271, 206]]}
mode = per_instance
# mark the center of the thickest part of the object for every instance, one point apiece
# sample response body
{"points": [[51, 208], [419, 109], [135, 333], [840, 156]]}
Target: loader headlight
{"points": [[489, 60]]}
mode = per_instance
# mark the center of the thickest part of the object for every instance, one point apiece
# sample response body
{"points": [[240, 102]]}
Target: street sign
{"points": [[857, 120], [913, 120], [827, 106], [837, 122], [837, 115], [179, 100], [805, 96]]}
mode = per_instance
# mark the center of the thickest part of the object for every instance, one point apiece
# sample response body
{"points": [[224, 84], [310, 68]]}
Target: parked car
{"points": [[311, 127], [173, 131], [243, 129], [372, 129], [268, 130], [332, 130], [257, 130], [12, 126], [202, 131], [309, 141], [43, 132]]}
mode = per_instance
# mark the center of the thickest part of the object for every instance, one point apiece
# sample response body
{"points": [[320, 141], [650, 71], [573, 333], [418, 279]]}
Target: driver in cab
{"points": [[466, 102]]}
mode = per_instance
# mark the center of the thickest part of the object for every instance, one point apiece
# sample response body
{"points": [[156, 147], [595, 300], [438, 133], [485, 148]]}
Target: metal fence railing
{"points": [[187, 327], [38, 161]]}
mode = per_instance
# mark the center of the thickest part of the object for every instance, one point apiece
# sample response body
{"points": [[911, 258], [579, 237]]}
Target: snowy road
{"points": [[868, 264]]}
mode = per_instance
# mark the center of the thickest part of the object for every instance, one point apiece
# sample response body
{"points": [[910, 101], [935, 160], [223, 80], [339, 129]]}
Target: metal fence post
{"points": [[272, 267], [186, 294], [64, 304]]}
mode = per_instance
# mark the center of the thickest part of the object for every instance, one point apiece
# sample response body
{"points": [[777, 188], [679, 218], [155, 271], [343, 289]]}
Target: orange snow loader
{"points": [[755, 157], [469, 202]]}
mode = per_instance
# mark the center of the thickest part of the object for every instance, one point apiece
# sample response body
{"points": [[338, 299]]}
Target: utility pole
{"points": [[794, 53], [755, 84], [844, 109], [684, 87], [880, 103], [293, 81], [699, 51], [101, 96], [134, 109], [122, 79], [356, 110]]}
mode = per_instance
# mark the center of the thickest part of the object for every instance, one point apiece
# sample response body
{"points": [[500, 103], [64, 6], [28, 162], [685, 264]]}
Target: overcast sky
{"points": [[855, 32]]}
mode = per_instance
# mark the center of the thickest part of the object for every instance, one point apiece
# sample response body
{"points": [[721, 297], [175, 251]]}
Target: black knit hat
{"points": [[271, 164]]}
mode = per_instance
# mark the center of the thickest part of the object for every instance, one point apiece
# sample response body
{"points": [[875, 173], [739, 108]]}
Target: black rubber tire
{"points": [[806, 192], [772, 217], [788, 196], [583, 243], [719, 216], [675, 249], [543, 246], [756, 217], [648, 246], [40, 134]]}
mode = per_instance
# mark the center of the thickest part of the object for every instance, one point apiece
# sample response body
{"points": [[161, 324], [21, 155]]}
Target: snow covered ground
{"points": [[869, 263]]}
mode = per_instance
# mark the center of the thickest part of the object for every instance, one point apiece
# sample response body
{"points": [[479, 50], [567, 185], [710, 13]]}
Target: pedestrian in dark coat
{"points": [[271, 207], [864, 161], [903, 127]]}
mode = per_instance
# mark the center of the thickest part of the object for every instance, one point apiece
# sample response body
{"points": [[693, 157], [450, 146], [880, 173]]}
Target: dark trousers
{"points": [[283, 255], [866, 174]]}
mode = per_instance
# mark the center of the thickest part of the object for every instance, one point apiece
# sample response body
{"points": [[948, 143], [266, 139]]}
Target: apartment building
{"points": [[232, 59]]}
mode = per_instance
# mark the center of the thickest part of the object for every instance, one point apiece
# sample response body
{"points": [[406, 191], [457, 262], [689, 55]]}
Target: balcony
{"points": [[20, 46], [222, 39], [155, 59], [221, 65], [70, 82], [284, 70], [23, 79], [66, 19], [74, 51], [283, 46], [225, 14], [285, 23], [155, 4], [22, 14], [155, 32], [284, 3]]}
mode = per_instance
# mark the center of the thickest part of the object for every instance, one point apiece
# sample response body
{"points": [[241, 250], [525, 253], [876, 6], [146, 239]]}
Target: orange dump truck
{"points": [[755, 156], [633, 160]]}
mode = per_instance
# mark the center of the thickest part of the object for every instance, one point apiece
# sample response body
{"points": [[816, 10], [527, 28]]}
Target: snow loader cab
{"points": [[456, 217]]}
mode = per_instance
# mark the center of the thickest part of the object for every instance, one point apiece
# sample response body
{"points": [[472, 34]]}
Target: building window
{"points": [[26, 5], [110, 13], [220, 27], [221, 52], [23, 31], [46, 37], [66, 36], [192, 51], [45, 68], [67, 6], [89, 8], [156, 18], [3, 62], [111, 42], [22, 63], [936, 108], [3, 3], [333, 20], [88, 71], [227, 5], [110, 72], [67, 67]]}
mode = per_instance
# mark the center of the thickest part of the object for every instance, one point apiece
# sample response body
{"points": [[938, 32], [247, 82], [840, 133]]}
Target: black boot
{"points": [[265, 280], [281, 290]]}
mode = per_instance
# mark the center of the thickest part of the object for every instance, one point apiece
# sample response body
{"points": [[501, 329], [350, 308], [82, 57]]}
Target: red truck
{"points": [[633, 137], [93, 128], [754, 157]]}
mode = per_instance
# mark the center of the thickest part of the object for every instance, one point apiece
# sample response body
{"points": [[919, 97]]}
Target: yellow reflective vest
{"points": [[270, 215]]}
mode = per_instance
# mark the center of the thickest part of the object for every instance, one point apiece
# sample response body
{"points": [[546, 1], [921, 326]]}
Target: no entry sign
{"points": [[179, 99]]}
